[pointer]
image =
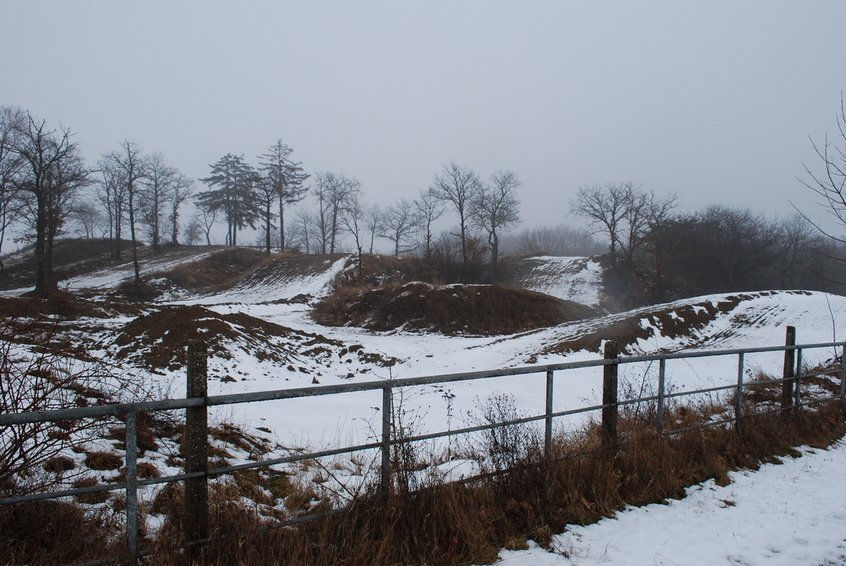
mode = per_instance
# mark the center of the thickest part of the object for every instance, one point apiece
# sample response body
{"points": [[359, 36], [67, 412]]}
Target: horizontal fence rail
{"points": [[196, 403]]}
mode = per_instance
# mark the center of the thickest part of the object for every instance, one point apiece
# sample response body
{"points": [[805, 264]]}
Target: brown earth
{"points": [[675, 322], [159, 340], [219, 270], [452, 310]]}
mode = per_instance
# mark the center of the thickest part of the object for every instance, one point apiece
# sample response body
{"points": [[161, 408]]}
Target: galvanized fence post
{"points": [[787, 372], [131, 472], [195, 446], [662, 372], [387, 418], [547, 438], [797, 402], [738, 396], [610, 407], [843, 379]]}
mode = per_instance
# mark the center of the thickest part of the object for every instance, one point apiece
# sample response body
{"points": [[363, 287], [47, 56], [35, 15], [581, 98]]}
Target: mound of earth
{"points": [[221, 269], [673, 323], [453, 309], [70, 256], [159, 340]]}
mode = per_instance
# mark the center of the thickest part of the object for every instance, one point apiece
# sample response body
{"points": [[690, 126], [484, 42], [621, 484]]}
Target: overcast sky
{"points": [[715, 100]]}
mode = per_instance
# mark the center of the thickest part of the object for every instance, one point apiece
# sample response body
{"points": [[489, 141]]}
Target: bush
{"points": [[45, 377]]}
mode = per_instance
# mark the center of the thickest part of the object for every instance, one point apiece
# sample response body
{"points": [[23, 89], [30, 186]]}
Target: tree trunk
{"points": [[135, 265], [281, 224], [267, 231], [40, 241]]}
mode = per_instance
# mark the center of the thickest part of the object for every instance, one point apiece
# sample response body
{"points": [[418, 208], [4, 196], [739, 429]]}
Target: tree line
{"points": [[130, 195], [653, 252], [656, 254]]}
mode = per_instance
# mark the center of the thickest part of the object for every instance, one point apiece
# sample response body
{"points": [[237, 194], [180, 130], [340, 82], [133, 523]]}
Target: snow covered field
{"points": [[782, 514], [792, 513]]}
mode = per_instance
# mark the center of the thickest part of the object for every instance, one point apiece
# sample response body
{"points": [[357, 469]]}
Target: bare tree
{"points": [[87, 217], [304, 224], [429, 209], [332, 192], [52, 172], [182, 190], [11, 204], [285, 178], [373, 222], [192, 232], [206, 218], [458, 185], [133, 167], [399, 222], [495, 208], [830, 184], [558, 240], [623, 212], [111, 192], [352, 217], [605, 207], [166, 190]]}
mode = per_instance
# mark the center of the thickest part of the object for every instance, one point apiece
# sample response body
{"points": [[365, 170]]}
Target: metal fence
{"points": [[196, 471]]}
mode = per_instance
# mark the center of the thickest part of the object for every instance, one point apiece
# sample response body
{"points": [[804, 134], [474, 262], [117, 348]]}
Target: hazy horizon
{"points": [[714, 101]]}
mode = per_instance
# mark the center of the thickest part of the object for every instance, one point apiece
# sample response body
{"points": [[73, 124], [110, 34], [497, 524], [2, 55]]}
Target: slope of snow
{"points": [[109, 278], [756, 320], [577, 279], [269, 286], [786, 514]]}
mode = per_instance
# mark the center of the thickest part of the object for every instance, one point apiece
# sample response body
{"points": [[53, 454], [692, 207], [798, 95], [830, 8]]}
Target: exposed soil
{"points": [[70, 258], [159, 340], [454, 309], [670, 322], [219, 270]]}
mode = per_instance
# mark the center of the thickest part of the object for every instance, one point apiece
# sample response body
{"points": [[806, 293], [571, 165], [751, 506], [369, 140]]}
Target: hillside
{"points": [[262, 318], [258, 321], [257, 314]]}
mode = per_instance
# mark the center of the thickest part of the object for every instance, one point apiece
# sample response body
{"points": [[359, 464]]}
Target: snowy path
{"points": [[792, 513]]}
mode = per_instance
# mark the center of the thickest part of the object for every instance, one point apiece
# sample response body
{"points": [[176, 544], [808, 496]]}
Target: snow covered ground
{"points": [[577, 279], [792, 513], [785, 514]]}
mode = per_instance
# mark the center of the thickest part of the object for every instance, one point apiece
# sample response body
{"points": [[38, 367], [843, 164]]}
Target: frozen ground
{"points": [[788, 514], [577, 279], [785, 514], [754, 319]]}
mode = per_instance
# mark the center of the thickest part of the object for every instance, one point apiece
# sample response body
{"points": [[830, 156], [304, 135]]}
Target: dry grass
{"points": [[52, 532], [463, 524], [451, 310], [525, 495], [220, 270]]}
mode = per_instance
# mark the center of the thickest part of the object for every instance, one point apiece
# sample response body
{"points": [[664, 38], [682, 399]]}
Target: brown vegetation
{"points": [[453, 309], [160, 338], [524, 496], [219, 270], [463, 524]]}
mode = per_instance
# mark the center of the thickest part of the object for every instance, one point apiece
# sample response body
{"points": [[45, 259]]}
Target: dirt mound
{"points": [[642, 324], [70, 257], [159, 340], [454, 309], [217, 271]]}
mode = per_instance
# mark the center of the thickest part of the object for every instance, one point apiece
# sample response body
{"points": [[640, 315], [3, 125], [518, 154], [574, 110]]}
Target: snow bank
{"points": [[790, 513]]}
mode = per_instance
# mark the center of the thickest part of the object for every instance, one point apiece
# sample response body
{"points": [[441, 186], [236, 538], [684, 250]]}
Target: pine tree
{"points": [[232, 185], [284, 179]]}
